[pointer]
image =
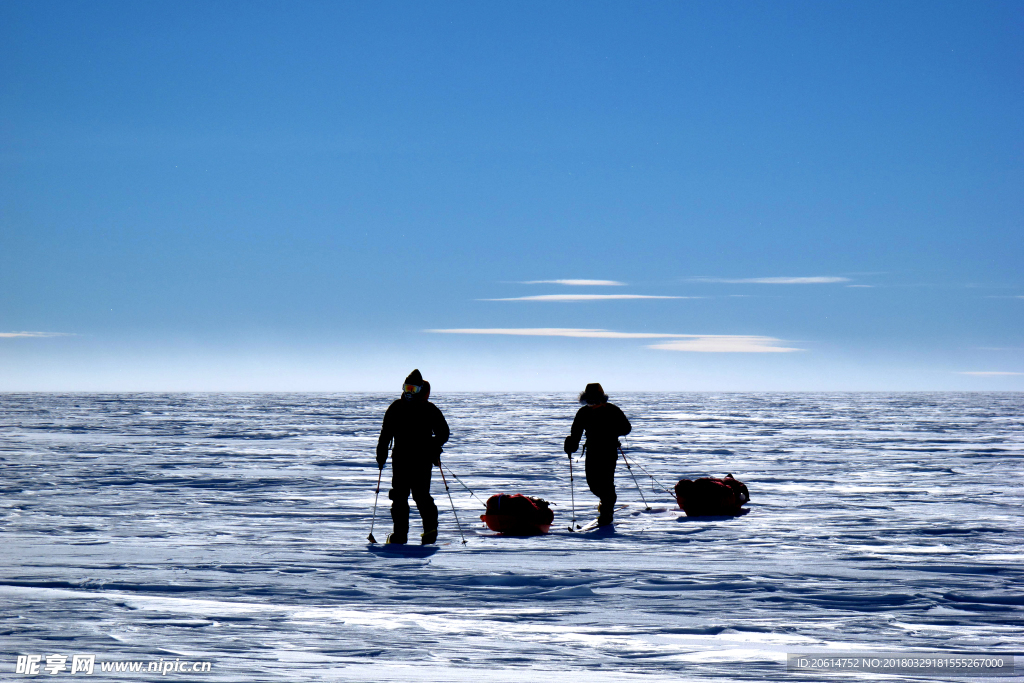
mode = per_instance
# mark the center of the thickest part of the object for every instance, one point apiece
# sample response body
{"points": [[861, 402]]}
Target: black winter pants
{"points": [[600, 467], [411, 478]]}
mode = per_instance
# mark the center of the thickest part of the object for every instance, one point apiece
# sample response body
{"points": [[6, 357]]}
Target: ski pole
{"points": [[457, 523], [370, 538], [648, 507], [466, 487], [572, 491]]}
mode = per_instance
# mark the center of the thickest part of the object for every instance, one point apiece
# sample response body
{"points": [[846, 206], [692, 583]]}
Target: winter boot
{"points": [[428, 537], [397, 538], [604, 514]]}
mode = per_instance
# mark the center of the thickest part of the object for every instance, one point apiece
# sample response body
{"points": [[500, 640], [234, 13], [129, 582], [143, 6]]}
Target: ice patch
{"points": [[881, 522]]}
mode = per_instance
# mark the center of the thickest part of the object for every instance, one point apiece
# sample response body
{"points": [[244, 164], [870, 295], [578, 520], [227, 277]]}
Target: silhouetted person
{"points": [[419, 431], [604, 423]]}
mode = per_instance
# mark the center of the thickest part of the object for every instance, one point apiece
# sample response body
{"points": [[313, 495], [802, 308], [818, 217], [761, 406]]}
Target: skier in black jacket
{"points": [[604, 423], [419, 431]]}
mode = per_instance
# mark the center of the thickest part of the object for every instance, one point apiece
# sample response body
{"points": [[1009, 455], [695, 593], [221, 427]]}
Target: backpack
{"points": [[711, 496]]}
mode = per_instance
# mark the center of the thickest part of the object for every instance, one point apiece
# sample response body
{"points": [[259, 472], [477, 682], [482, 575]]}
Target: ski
{"points": [[403, 550], [593, 525]]}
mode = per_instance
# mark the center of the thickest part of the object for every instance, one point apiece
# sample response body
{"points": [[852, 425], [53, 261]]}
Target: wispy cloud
{"points": [[577, 283], [725, 343], [990, 373], [817, 280], [556, 332], [700, 343], [587, 297], [36, 334]]}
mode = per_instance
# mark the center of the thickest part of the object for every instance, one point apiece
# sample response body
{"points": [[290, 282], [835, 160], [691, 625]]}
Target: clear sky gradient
{"points": [[511, 196]]}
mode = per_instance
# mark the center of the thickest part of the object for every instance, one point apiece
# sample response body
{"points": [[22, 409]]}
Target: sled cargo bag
{"points": [[518, 515], [711, 496]]}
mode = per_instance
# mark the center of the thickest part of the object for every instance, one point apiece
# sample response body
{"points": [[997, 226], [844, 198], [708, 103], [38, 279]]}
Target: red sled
{"points": [[711, 496], [518, 515]]}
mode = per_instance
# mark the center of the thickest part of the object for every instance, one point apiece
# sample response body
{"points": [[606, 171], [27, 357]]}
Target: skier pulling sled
{"points": [[603, 423], [518, 515], [712, 496]]}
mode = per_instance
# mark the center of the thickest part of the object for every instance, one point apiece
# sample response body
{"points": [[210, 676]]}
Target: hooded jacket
{"points": [[604, 424], [419, 431]]}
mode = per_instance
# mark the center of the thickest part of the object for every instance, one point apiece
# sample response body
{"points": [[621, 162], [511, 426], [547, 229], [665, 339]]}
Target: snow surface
{"points": [[232, 529]]}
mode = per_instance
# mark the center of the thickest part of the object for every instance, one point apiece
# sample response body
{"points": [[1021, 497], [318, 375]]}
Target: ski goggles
{"points": [[411, 388]]}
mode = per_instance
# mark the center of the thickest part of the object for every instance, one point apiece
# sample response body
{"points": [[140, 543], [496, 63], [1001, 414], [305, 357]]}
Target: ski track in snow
{"points": [[231, 528]]}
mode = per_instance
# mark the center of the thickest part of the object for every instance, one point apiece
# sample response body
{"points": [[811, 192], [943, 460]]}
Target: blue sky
{"points": [[322, 196]]}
